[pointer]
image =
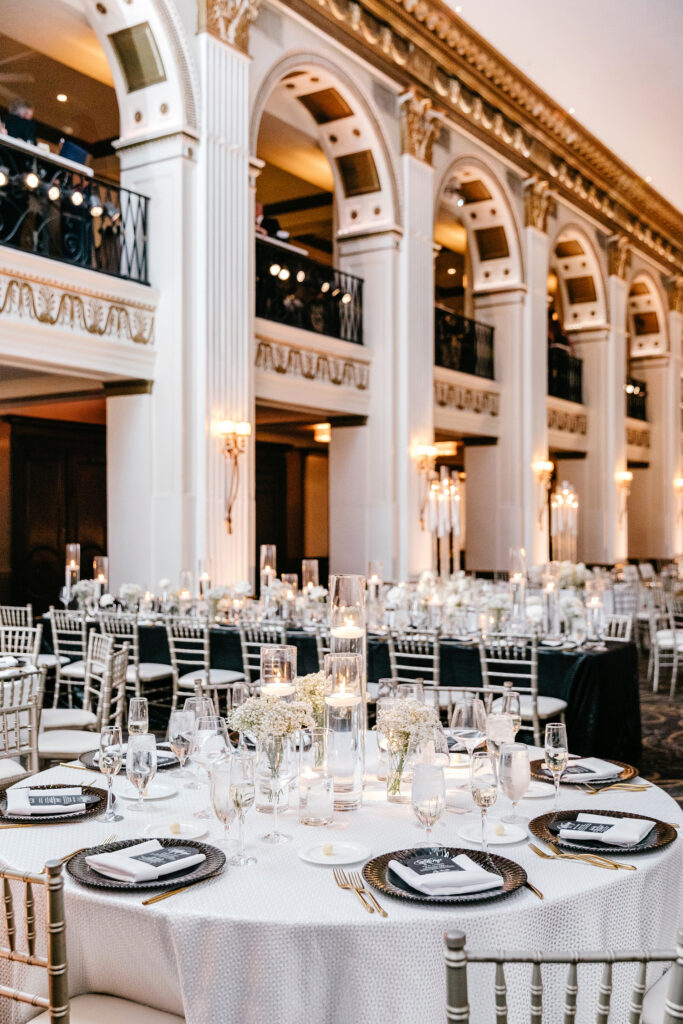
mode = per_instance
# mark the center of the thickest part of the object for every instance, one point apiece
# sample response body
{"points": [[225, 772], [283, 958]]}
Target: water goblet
{"points": [[209, 743], [110, 761], [180, 730], [411, 691], [138, 716], [513, 777], [428, 795], [484, 786], [198, 706], [141, 764], [468, 724]]}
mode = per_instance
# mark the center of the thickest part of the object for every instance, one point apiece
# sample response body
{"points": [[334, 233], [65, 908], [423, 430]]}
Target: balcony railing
{"points": [[462, 344], [293, 289], [636, 398], [55, 208], [565, 375]]}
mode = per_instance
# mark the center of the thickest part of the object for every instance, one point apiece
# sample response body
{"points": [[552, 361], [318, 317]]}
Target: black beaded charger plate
{"points": [[627, 772], [94, 800], [90, 760], [547, 827], [213, 865], [378, 874]]}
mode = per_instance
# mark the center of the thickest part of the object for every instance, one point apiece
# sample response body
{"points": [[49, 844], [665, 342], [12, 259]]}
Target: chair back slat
{"points": [[188, 643], [8, 905], [536, 994], [69, 634], [21, 640], [97, 665], [21, 698], [414, 654], [513, 658], [501, 995], [605, 994], [252, 639], [16, 615], [673, 1010], [637, 995], [322, 644], [618, 627], [457, 1006], [30, 913]]}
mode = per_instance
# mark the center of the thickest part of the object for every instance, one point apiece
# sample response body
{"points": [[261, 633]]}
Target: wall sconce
{"points": [[543, 471], [623, 481], [678, 490], [233, 437], [322, 433]]}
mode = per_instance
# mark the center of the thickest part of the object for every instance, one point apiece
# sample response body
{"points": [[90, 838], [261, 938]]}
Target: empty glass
{"points": [[110, 760], [141, 765], [428, 795], [209, 743], [198, 706], [180, 731], [316, 785], [484, 786], [411, 691], [513, 777], [221, 799], [468, 724], [242, 795], [138, 716], [500, 729], [556, 755], [512, 706]]}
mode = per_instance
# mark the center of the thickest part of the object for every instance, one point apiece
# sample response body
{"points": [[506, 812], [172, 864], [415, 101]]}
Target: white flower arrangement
{"points": [[216, 593], [396, 596], [241, 589], [406, 721], [83, 591], [310, 690], [499, 601], [164, 584], [534, 610], [317, 593], [130, 594], [260, 717], [107, 601], [572, 608]]}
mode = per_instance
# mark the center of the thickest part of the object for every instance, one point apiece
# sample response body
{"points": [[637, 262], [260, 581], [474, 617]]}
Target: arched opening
{"points": [[647, 337]]}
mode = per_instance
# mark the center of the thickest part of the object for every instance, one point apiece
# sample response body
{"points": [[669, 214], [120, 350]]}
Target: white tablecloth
{"points": [[279, 941]]}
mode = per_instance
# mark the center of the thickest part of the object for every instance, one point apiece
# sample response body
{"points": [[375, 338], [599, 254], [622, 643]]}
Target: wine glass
{"points": [[242, 795], [500, 729], [579, 631], [512, 707], [110, 760], [513, 777], [198, 706], [411, 691], [428, 795], [209, 743], [180, 730], [468, 724], [138, 716], [484, 786], [556, 755], [221, 801], [141, 764]]}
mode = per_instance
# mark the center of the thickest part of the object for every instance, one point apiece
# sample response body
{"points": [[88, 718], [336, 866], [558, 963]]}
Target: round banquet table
{"points": [[280, 942]]}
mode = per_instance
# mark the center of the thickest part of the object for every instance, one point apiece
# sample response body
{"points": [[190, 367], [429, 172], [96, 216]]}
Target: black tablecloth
{"points": [[600, 687]]}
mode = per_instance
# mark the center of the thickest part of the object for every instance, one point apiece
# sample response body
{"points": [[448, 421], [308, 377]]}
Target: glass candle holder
{"points": [[375, 596], [267, 564], [72, 570], [100, 574], [278, 671], [309, 573], [203, 578], [316, 785], [344, 717]]}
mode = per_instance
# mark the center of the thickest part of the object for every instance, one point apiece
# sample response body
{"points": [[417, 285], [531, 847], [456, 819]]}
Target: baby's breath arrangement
{"points": [[260, 717], [311, 690], [402, 723]]}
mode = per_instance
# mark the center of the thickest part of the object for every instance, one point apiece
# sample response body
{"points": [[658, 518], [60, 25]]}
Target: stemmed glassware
{"points": [[138, 716], [556, 755], [242, 795], [141, 764], [209, 743], [180, 730], [198, 706], [428, 795], [484, 786], [411, 691], [468, 724], [221, 800], [512, 707], [513, 777], [110, 760]]}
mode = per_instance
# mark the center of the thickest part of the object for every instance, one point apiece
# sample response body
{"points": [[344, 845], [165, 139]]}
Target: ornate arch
{"points": [[349, 133], [647, 319], [472, 192], [580, 279]]}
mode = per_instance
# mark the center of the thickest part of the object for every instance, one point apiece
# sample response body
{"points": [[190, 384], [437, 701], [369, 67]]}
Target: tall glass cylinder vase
{"points": [[375, 596], [268, 565], [276, 768], [348, 631], [551, 608], [72, 571], [345, 719]]}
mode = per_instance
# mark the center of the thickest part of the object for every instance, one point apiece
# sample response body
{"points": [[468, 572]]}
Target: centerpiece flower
{"points": [[83, 591], [404, 724], [310, 690], [130, 594]]}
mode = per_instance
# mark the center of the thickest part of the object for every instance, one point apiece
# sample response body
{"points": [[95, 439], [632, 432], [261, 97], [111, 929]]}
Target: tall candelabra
{"points": [[442, 518]]}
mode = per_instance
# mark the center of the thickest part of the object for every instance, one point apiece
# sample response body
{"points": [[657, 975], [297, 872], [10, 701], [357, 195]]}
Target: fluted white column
{"points": [[224, 269]]}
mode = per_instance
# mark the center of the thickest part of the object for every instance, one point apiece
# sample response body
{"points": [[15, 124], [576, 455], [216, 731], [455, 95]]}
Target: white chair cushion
{"points": [[548, 707], [149, 671], [664, 638], [50, 660], [96, 1009], [11, 769], [73, 670], [217, 677], [655, 1000], [65, 744], [66, 718]]}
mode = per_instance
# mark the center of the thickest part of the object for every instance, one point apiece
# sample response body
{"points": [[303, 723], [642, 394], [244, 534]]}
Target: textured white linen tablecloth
{"points": [[279, 941]]}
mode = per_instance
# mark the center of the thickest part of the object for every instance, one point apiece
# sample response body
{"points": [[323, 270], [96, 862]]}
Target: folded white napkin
{"points": [[143, 862], [437, 875], [599, 828], [590, 769], [45, 801], [7, 661]]}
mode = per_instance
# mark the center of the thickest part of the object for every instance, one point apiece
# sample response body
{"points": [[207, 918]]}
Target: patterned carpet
{"points": [[662, 723]]}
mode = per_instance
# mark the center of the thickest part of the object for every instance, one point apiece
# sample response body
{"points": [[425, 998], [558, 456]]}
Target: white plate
{"points": [[157, 791], [539, 791], [471, 831], [188, 830], [552, 643], [344, 853]]}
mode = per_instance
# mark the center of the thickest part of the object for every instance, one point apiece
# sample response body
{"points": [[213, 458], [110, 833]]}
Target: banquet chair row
{"points": [[22, 615], [515, 658], [21, 695], [21, 641], [42, 898], [189, 646], [660, 1004], [666, 642]]}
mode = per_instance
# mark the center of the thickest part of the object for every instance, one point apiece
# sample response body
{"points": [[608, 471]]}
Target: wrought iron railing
{"points": [[565, 374], [293, 289], [462, 344], [52, 209], [636, 398]]}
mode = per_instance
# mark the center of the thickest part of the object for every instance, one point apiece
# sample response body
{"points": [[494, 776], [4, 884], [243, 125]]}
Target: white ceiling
{"points": [[617, 62]]}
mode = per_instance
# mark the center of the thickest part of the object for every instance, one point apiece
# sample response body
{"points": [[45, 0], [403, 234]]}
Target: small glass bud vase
{"points": [[344, 718], [399, 777]]}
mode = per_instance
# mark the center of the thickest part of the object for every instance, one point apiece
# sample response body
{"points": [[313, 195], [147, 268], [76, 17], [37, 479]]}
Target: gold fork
{"points": [[583, 858], [67, 856], [357, 883], [627, 787], [595, 856], [344, 883]]}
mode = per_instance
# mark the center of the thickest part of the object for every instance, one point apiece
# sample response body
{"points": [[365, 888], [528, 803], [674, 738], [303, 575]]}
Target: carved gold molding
{"points": [[420, 126], [537, 200], [675, 294], [58, 307], [229, 20], [638, 436], [567, 422], [619, 256], [464, 399], [313, 366], [424, 45]]}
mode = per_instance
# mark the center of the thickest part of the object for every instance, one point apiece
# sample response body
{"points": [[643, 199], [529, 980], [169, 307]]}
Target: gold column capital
{"points": [[229, 20], [619, 255], [675, 294], [420, 126], [537, 199]]}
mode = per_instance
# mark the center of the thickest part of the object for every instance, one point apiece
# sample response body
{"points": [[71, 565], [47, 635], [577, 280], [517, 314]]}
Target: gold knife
{"points": [[172, 892]]}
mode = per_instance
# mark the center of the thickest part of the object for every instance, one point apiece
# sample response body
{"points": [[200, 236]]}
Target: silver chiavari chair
{"points": [[618, 627], [16, 614], [666, 642], [414, 653], [189, 645], [21, 695], [70, 641], [21, 641], [662, 1004], [446, 697], [322, 644], [252, 639], [515, 658], [124, 629], [24, 945]]}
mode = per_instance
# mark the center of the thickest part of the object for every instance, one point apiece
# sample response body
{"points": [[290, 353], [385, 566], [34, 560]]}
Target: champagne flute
{"points": [[110, 760], [556, 755], [141, 764], [209, 743], [513, 777], [180, 730], [242, 795], [221, 802], [138, 716], [428, 795], [484, 786]]}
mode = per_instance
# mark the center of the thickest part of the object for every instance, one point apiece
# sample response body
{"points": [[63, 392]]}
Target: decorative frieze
{"points": [[567, 421], [420, 126], [320, 367], [639, 437], [56, 306], [466, 399]]}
